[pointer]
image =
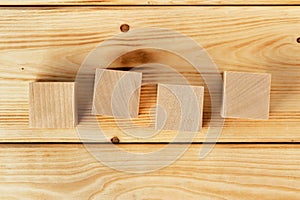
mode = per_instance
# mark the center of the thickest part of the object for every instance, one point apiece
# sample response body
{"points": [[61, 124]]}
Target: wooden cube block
{"points": [[52, 105], [117, 93], [246, 95], [179, 107]]}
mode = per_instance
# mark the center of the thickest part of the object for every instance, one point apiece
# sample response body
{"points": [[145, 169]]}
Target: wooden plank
{"points": [[180, 107], [229, 172], [246, 95], [51, 43], [117, 93], [148, 2], [52, 105]]}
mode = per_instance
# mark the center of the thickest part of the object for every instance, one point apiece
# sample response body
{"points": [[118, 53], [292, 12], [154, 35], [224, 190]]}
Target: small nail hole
{"points": [[115, 140], [298, 39], [22, 68], [124, 28]]}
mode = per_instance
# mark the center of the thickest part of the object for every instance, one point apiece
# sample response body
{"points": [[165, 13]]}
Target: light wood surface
{"points": [[117, 93], [246, 95], [148, 2], [230, 172], [52, 105], [50, 44], [179, 107]]}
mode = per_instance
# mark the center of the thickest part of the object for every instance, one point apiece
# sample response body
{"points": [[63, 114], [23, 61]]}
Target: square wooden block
{"points": [[117, 93], [246, 95], [52, 105], [179, 107]]}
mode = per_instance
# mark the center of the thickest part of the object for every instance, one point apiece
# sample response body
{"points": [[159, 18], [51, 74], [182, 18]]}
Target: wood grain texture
{"points": [[51, 43], [117, 93], [179, 107], [246, 95], [148, 2], [52, 105], [229, 172]]}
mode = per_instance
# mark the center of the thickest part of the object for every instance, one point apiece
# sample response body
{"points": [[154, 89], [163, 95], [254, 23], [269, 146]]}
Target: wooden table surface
{"points": [[47, 40]]}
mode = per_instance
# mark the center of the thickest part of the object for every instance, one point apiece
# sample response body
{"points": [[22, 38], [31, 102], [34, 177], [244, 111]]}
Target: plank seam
{"points": [[147, 5], [150, 143]]}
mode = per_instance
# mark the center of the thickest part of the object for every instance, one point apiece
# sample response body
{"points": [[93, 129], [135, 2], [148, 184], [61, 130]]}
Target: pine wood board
{"points": [[148, 2], [230, 172], [51, 43]]}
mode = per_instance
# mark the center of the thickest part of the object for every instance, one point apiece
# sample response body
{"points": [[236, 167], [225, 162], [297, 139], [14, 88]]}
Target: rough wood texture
{"points": [[52, 105], [117, 93], [179, 107], [246, 95], [147, 2], [51, 43], [230, 172]]}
